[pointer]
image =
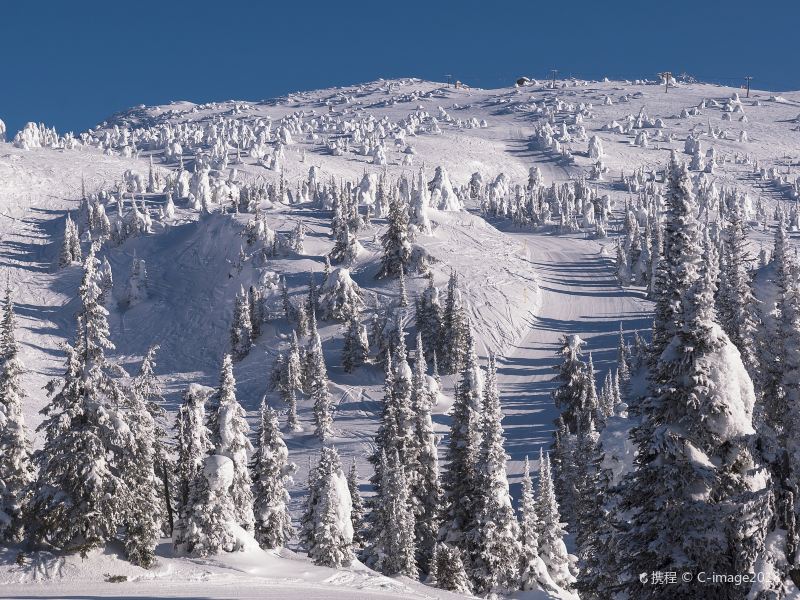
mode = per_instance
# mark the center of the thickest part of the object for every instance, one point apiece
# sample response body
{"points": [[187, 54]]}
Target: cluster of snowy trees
{"points": [[228, 138], [570, 207], [640, 246], [458, 530], [712, 486], [109, 471]]}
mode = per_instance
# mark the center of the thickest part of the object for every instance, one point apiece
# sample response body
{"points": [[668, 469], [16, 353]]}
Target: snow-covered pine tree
{"points": [[564, 478], [272, 472], [672, 278], [144, 517], [357, 514], [402, 294], [394, 437], [772, 346], [453, 346], [739, 307], [392, 548], [496, 531], [210, 515], [16, 469], [598, 564], [80, 498], [136, 290], [255, 302], [356, 346], [623, 362], [106, 282], [291, 382], [591, 405], [447, 570], [396, 240], [656, 249], [622, 269], [571, 394], [429, 318], [460, 476], [552, 549], [312, 298], [147, 386], [340, 296], [71, 246], [386, 437], [229, 436], [533, 571], [241, 327], [192, 444], [327, 520], [317, 384], [423, 469]]}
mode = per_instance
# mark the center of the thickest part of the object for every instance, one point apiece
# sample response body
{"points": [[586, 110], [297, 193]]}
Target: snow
{"points": [[727, 375], [523, 289]]}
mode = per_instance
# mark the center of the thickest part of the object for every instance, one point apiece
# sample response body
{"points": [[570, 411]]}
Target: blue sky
{"points": [[71, 64]]}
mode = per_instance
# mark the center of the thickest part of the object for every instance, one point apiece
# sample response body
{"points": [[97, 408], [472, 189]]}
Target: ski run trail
{"points": [[579, 293], [524, 288]]}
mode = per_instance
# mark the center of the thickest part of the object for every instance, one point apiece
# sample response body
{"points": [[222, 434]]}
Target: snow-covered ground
{"points": [[524, 288]]}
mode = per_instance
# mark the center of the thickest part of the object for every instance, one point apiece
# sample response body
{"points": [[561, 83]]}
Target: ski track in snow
{"points": [[580, 294]]}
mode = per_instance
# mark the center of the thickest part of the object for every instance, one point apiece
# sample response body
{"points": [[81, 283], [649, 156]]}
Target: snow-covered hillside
{"points": [[521, 196]]}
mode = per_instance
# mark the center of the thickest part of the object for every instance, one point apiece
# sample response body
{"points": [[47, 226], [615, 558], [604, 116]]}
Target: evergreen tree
{"points": [[773, 347], [16, 470], [460, 477], [656, 249], [80, 497], [597, 561], [447, 570], [533, 571], [496, 531], [402, 294], [272, 472], [571, 395], [357, 514], [396, 240], [673, 279], [551, 531], [340, 297], [423, 471], [592, 402], [229, 435], [393, 438], [147, 387], [192, 444], [211, 510], [393, 549], [145, 514], [242, 327], [136, 290], [453, 346], [739, 310], [255, 302], [429, 318], [317, 383], [356, 346], [327, 521], [291, 381], [71, 246], [623, 361]]}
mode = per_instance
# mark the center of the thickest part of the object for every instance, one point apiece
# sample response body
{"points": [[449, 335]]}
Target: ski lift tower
{"points": [[666, 75]]}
